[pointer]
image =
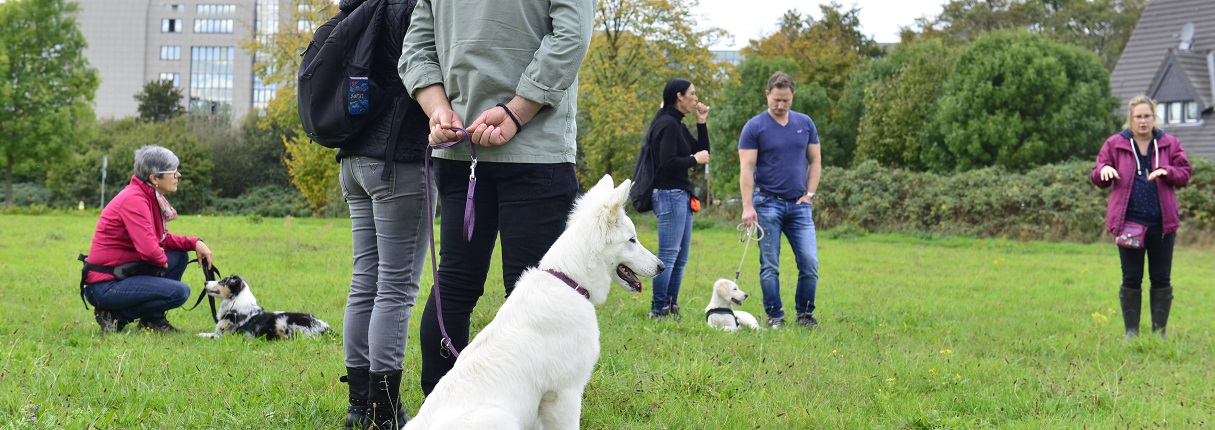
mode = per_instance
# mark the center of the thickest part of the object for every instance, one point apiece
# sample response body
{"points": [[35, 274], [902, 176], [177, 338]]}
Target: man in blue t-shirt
{"points": [[781, 164]]}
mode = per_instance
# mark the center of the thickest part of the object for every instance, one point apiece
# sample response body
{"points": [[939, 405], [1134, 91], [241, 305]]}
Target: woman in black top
{"points": [[675, 151]]}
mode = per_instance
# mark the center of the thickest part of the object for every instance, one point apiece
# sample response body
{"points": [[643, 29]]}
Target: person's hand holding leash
{"points": [[442, 125], [749, 216], [203, 253]]}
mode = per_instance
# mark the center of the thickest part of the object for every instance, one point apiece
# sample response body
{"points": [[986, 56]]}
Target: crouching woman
{"points": [[132, 233]]}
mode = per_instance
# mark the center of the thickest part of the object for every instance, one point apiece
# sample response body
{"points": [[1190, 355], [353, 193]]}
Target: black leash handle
{"points": [[211, 275]]}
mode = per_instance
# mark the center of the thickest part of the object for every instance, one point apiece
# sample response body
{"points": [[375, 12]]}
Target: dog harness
{"points": [[570, 282], [722, 311]]}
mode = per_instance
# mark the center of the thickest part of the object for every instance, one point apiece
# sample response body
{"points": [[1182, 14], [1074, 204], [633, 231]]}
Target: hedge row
{"points": [[1054, 202]]}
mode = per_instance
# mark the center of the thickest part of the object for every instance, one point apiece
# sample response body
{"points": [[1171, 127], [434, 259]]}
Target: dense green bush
{"points": [[1053, 202], [266, 201], [1018, 100]]}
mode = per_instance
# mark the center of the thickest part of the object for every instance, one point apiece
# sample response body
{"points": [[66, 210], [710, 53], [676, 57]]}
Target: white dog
{"points": [[721, 313], [239, 313], [528, 367]]}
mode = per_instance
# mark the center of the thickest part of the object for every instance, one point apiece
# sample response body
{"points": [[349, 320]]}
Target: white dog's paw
{"points": [[209, 335]]}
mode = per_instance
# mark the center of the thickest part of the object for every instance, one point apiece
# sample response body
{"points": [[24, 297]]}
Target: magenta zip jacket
{"points": [[1118, 152]]}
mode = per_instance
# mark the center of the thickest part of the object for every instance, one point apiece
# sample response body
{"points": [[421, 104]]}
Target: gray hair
{"points": [[153, 159]]}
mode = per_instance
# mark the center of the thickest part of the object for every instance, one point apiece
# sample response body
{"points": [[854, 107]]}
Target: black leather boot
{"points": [[1132, 307], [356, 415], [1162, 301], [158, 324], [384, 401]]}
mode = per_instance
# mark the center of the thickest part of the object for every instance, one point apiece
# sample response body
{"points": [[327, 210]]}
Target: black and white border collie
{"points": [[239, 313]]}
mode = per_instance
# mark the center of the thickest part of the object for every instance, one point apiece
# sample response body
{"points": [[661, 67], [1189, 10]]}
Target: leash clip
{"points": [[472, 170]]}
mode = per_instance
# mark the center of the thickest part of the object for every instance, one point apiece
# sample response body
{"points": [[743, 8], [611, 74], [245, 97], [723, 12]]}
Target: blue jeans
{"points": [[525, 205], [777, 216], [674, 240], [143, 296], [390, 227]]}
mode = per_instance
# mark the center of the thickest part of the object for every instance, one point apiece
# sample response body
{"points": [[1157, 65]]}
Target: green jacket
{"points": [[486, 52]]}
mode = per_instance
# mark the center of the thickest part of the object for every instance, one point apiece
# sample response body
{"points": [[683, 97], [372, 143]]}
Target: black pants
{"points": [[527, 204], [1159, 251]]}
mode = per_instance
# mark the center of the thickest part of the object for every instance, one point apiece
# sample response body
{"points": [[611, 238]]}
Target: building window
{"points": [[211, 78], [171, 53], [175, 78], [1192, 113], [266, 17], [216, 9], [1178, 112], [212, 26], [170, 25]]}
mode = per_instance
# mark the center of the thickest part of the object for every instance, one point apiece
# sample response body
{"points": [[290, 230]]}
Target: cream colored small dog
{"points": [[721, 313]]}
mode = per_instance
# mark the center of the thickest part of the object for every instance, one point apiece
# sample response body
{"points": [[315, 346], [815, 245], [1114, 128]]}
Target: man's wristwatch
{"points": [[810, 195]]}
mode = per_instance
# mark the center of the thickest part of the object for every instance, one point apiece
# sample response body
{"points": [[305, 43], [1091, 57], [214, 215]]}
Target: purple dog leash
{"points": [[469, 219]]}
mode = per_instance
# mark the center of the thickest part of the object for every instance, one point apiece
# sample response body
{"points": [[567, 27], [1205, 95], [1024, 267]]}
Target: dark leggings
{"points": [[1159, 251]]}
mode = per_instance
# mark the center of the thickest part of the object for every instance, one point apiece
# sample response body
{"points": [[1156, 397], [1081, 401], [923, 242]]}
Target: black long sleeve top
{"points": [[673, 146]]}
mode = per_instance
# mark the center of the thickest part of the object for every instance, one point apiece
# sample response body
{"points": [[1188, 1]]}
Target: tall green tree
{"points": [[1018, 100], [1100, 26], [900, 106], [159, 101], [48, 85], [638, 45], [310, 166], [827, 50]]}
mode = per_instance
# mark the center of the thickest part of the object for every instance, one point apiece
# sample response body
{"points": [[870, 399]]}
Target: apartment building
{"points": [[196, 45]]}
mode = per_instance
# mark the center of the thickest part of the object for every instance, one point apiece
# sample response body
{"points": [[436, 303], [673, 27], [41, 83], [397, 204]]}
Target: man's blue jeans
{"points": [[778, 216], [143, 296], [674, 240]]}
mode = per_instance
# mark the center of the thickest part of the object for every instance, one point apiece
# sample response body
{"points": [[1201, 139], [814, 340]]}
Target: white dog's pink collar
{"points": [[570, 282]]}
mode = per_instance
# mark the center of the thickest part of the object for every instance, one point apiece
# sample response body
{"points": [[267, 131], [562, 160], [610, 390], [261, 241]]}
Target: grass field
{"points": [[916, 333]]}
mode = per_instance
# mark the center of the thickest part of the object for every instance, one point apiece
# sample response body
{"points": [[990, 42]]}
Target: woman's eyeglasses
{"points": [[173, 172]]}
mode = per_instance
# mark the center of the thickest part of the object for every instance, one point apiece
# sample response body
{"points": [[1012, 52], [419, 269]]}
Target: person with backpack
{"points": [[383, 182], [511, 67], [674, 151]]}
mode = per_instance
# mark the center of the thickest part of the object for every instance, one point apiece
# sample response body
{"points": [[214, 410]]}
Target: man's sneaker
{"points": [[158, 324], [675, 313], [106, 320], [660, 314], [776, 322], [807, 320]]}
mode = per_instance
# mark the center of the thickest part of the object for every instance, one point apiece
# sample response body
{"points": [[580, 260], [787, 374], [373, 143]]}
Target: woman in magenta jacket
{"points": [[1145, 166], [133, 228]]}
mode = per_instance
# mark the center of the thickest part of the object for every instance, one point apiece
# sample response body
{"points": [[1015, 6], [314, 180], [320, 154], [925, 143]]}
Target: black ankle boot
{"points": [[1162, 301], [384, 401], [356, 415], [1132, 307], [158, 324]]}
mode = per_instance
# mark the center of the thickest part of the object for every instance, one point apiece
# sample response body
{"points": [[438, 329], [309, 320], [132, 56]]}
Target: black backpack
{"points": [[641, 194], [337, 93]]}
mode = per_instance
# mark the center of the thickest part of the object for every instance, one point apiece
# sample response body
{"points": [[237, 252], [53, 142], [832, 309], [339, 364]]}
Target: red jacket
{"points": [[130, 229], [1118, 152]]}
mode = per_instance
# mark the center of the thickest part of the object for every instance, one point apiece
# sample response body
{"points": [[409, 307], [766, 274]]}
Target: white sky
{"points": [[752, 19]]}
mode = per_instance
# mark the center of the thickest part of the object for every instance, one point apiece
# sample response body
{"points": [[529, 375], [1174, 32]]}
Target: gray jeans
{"points": [[390, 230]]}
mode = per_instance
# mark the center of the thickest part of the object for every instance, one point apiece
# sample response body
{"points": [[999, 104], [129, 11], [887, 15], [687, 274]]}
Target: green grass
{"points": [[916, 333]]}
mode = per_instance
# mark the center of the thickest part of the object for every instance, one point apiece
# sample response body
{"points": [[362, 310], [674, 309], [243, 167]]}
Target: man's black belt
{"points": [[773, 195]]}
